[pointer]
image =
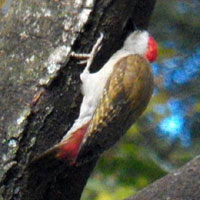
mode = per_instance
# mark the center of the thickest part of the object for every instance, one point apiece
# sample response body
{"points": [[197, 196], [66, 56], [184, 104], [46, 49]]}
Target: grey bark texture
{"points": [[40, 85]]}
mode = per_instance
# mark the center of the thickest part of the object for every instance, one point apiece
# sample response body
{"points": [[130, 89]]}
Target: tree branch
{"points": [[183, 184]]}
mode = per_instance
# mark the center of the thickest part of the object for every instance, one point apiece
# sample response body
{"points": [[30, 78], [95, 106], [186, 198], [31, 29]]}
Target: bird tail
{"points": [[66, 151]]}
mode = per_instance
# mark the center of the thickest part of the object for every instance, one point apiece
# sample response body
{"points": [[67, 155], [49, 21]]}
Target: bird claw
{"points": [[83, 62], [80, 55], [88, 58], [83, 56]]}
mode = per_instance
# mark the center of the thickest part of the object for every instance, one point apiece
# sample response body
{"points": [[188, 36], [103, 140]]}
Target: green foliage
{"points": [[1, 3], [121, 172]]}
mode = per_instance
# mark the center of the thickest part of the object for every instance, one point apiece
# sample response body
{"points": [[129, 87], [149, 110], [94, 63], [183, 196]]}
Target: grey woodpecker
{"points": [[113, 99]]}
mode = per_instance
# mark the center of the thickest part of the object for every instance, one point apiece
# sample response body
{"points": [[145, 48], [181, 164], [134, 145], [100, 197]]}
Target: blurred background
{"points": [[4, 6], [168, 133]]}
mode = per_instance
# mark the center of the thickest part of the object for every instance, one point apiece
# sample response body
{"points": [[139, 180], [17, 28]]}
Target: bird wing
{"points": [[125, 96]]}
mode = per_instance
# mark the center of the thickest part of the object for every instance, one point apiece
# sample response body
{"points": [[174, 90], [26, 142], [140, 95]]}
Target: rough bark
{"points": [[40, 85], [182, 184]]}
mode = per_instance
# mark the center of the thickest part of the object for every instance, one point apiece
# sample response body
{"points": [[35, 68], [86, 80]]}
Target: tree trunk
{"points": [[40, 85]]}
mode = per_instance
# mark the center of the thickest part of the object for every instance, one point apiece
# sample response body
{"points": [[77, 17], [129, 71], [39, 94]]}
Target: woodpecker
{"points": [[113, 99]]}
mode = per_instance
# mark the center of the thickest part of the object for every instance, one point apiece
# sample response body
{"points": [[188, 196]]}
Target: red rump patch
{"points": [[69, 149], [152, 51]]}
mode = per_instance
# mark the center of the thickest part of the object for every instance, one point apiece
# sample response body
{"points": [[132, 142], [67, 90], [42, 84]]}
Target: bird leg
{"points": [[88, 58]]}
